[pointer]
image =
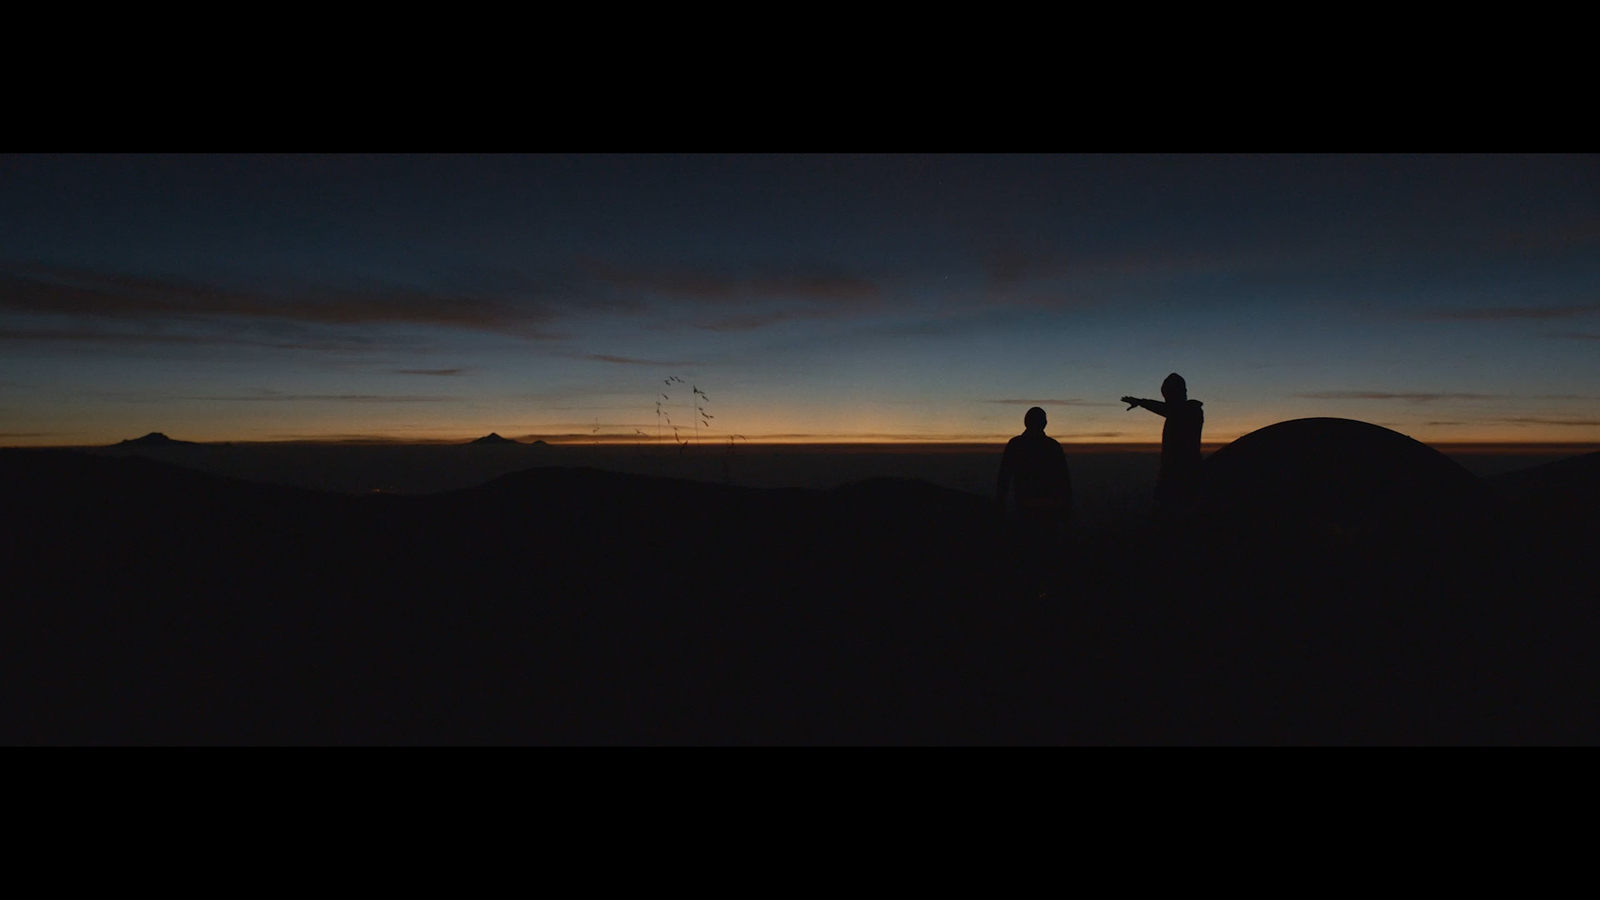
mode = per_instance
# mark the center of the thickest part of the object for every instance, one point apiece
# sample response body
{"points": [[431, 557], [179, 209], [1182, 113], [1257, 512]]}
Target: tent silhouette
{"points": [[1339, 472]]}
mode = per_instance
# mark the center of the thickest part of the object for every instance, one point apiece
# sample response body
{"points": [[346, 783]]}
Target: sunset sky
{"points": [[812, 298]]}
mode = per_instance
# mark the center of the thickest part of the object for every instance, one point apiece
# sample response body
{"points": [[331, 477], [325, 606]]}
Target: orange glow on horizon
{"points": [[800, 443]]}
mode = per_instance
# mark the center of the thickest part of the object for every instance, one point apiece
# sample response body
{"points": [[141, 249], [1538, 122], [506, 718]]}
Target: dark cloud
{"points": [[1583, 234], [516, 306], [574, 393], [440, 372], [1006, 268], [358, 439], [875, 437], [1072, 402], [1512, 313], [752, 321], [273, 397], [1552, 420], [633, 361], [781, 296], [717, 287], [1575, 336], [105, 337], [84, 293], [1384, 395], [344, 344], [923, 328]]}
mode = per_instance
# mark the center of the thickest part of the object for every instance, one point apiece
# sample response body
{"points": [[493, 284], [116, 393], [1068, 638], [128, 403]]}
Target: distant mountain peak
{"points": [[153, 439], [493, 438]]}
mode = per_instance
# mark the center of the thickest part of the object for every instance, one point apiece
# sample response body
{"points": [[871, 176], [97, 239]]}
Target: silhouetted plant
{"points": [[698, 400], [662, 413], [704, 418], [660, 398], [682, 444]]}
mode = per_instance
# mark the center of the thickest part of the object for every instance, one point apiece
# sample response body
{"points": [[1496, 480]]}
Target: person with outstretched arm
{"points": [[1033, 472], [1178, 482]]}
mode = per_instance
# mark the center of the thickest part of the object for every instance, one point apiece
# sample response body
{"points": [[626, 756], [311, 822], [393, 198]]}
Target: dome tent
{"points": [[1341, 473]]}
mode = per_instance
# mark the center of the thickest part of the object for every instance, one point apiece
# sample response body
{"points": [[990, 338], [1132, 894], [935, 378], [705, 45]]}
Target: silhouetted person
{"points": [[1180, 443], [1034, 470]]}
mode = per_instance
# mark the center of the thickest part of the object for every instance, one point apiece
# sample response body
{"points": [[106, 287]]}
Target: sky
{"points": [[809, 298]]}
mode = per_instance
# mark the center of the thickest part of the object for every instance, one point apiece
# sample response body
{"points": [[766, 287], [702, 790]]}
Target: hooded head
{"points": [[1034, 419], [1174, 390]]}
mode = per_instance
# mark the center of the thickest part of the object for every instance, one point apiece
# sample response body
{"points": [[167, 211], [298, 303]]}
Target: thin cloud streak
{"points": [[1384, 395], [353, 439], [319, 398], [750, 322], [1558, 237], [105, 337], [1072, 402], [802, 295], [754, 321], [437, 372], [164, 339], [713, 287], [84, 293], [1545, 420], [1007, 268], [1512, 313], [634, 361]]}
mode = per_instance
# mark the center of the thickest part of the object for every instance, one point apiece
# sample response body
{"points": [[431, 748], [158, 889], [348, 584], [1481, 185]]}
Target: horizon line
{"points": [[842, 443]]}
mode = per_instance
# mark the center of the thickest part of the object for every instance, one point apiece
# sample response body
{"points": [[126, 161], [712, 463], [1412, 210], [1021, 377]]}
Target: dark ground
{"points": [[147, 603]]}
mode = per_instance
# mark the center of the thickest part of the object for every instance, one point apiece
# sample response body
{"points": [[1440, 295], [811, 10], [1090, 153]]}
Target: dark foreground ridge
{"points": [[154, 604]]}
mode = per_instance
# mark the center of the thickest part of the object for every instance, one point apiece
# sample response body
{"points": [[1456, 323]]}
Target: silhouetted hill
{"points": [[1577, 477], [493, 438], [1557, 503]]}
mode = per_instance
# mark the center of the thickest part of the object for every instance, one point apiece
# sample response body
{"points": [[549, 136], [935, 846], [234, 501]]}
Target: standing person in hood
{"points": [[1180, 443]]}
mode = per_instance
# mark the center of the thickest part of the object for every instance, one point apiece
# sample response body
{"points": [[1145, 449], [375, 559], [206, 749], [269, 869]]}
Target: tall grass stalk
{"points": [[703, 418]]}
